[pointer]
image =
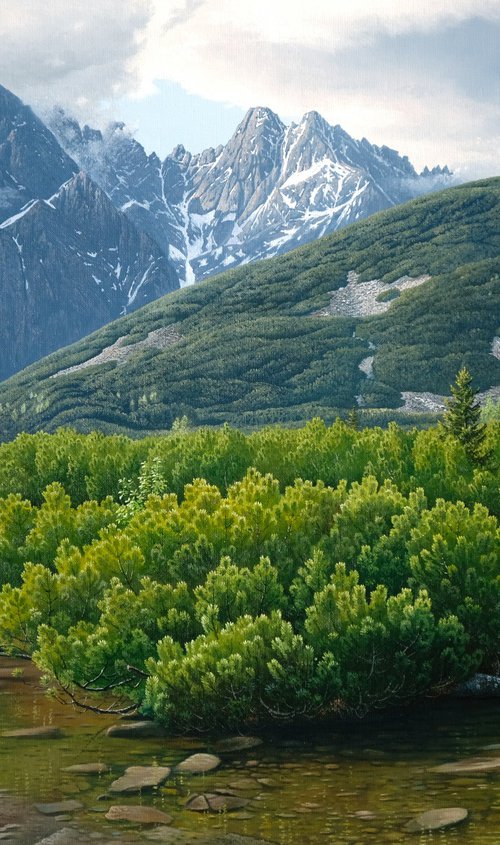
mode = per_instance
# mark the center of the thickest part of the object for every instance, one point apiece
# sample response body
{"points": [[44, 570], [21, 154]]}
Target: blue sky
{"points": [[169, 116], [422, 77]]}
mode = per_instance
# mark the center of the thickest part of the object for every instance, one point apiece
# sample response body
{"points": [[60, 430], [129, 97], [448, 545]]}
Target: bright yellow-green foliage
{"points": [[215, 578]]}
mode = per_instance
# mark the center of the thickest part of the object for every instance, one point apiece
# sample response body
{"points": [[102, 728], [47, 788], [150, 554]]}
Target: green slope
{"points": [[251, 351]]}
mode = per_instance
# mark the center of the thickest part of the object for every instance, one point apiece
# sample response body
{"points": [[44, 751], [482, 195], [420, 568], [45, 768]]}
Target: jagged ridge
{"points": [[269, 189]]}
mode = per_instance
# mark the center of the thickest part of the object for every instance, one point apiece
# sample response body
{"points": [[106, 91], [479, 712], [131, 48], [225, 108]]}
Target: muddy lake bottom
{"points": [[343, 784]]}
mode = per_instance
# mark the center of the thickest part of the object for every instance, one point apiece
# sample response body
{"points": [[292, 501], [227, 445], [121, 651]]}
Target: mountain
{"points": [[269, 189], [69, 260], [32, 163], [384, 311]]}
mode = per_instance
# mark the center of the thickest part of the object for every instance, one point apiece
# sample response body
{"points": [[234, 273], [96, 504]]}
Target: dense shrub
{"points": [[314, 572]]}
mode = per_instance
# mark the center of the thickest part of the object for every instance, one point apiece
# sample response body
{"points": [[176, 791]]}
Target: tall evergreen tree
{"points": [[461, 419]]}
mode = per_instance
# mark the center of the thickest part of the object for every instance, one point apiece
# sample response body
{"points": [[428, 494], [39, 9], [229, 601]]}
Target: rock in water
{"points": [[225, 803], [198, 764], [58, 807], [137, 778], [139, 815], [211, 803], [479, 686], [87, 769], [139, 730], [41, 732], [65, 836], [469, 766], [437, 819], [244, 783], [198, 804], [237, 743]]}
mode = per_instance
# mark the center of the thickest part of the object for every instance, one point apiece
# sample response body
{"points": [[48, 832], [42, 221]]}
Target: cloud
{"points": [[422, 77], [71, 51]]}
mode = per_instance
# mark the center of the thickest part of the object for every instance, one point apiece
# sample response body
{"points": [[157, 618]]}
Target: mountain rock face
{"points": [[32, 163], [269, 189], [69, 260]]}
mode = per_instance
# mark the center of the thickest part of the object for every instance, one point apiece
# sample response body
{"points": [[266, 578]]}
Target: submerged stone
{"points": [[58, 807], [87, 769], [40, 732], [437, 819], [244, 783], [137, 730], [215, 803], [469, 766], [139, 815], [137, 778], [65, 836], [223, 803], [237, 743]]}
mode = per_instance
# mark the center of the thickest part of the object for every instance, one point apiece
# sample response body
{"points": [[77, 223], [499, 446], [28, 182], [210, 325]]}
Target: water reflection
{"points": [[348, 785]]}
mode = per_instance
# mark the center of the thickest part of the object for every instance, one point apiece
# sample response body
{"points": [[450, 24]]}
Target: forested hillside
{"points": [[212, 578], [286, 339]]}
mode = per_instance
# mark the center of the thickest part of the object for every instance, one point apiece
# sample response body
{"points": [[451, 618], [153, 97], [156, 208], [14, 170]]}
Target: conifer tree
{"points": [[462, 418]]}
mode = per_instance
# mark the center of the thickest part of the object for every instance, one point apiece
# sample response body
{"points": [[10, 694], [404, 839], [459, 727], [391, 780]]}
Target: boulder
{"points": [[437, 819], [137, 778], [137, 814], [198, 764]]}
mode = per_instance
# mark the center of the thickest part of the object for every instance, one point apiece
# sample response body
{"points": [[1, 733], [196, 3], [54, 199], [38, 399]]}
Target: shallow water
{"points": [[346, 785]]}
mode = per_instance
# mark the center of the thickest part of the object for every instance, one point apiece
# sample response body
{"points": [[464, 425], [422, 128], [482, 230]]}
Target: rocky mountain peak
{"points": [[270, 188]]}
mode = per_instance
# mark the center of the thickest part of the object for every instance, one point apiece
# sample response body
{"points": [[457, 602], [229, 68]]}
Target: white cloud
{"points": [[68, 51], [394, 70]]}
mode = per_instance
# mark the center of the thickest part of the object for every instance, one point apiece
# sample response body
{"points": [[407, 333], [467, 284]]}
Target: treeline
{"points": [[213, 578]]}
